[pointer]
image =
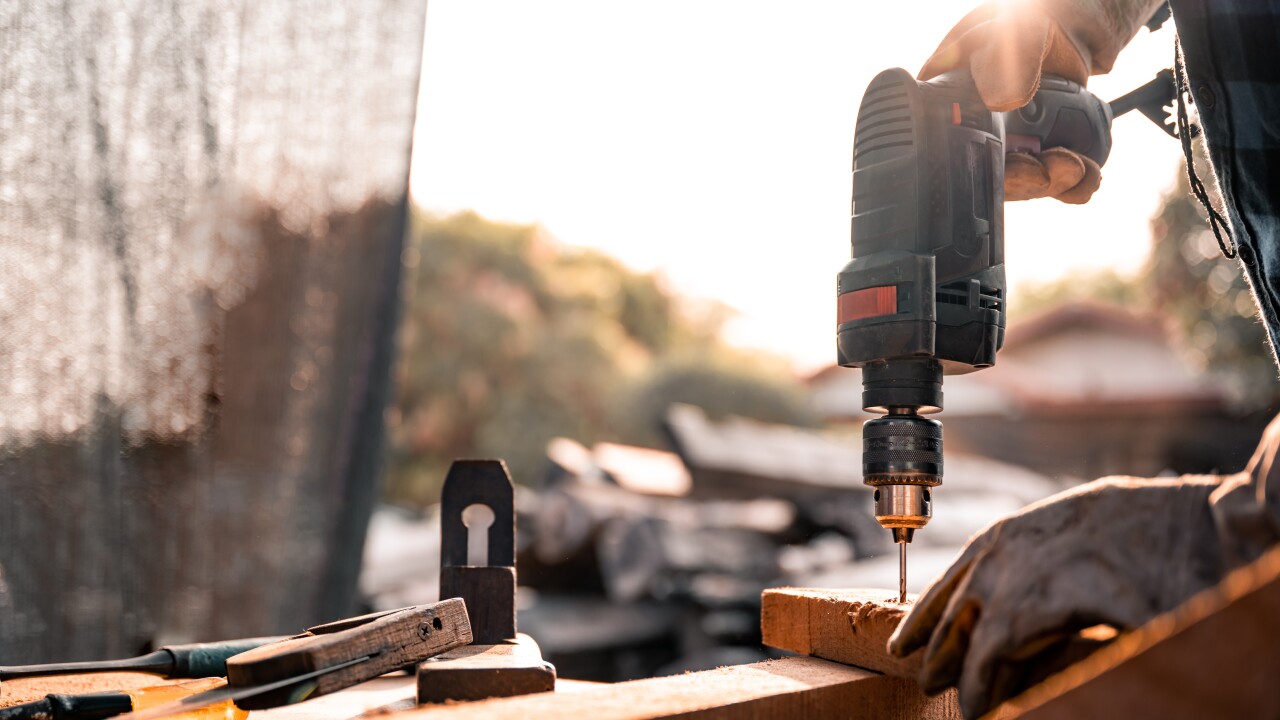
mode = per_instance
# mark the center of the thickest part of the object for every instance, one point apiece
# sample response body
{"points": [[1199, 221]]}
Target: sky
{"points": [[711, 141]]}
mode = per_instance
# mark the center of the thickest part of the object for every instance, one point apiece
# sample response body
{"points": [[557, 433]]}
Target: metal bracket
{"points": [[488, 590], [500, 663]]}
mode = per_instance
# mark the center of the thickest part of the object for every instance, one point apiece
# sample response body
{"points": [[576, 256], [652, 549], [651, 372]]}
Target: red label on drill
{"points": [[867, 303]]}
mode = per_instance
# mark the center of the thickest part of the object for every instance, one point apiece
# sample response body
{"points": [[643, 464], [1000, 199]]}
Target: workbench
{"points": [[787, 688], [1214, 656]]}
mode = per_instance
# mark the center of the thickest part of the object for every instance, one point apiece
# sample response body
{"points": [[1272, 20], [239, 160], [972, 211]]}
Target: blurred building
{"points": [[1083, 390]]}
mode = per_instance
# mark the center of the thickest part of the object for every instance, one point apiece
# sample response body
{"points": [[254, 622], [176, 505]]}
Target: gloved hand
{"points": [[1008, 45], [1116, 551]]}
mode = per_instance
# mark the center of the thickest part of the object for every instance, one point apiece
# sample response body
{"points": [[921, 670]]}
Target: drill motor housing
{"points": [[924, 293], [925, 287]]}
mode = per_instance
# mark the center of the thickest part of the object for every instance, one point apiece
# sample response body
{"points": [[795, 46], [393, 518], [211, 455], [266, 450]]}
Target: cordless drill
{"points": [[924, 293]]}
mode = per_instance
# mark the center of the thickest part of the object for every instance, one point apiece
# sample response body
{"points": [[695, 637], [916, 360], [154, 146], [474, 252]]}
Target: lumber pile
{"points": [[1214, 656]]}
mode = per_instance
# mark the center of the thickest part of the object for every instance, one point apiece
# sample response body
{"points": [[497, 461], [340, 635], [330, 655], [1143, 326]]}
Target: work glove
{"points": [[1114, 552], [1008, 45]]}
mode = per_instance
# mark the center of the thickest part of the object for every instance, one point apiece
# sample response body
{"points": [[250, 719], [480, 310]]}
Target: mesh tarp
{"points": [[201, 219]]}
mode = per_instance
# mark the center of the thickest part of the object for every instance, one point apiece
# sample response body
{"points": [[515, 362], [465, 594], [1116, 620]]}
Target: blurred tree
{"points": [[728, 384], [510, 340], [1098, 285], [1208, 299]]}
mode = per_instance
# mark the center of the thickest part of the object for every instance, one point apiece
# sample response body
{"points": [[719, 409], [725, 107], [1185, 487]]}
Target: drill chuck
{"points": [[902, 460]]}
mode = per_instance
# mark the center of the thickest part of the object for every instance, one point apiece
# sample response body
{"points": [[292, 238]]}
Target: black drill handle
{"points": [[92, 706], [1061, 114]]}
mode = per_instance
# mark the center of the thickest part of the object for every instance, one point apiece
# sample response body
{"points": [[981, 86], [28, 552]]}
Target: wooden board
{"points": [[24, 690], [1217, 655], [796, 687], [847, 626], [479, 672], [389, 693]]}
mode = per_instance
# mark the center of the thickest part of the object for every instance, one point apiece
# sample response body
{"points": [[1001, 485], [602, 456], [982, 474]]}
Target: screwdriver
{"points": [[193, 660], [95, 706]]}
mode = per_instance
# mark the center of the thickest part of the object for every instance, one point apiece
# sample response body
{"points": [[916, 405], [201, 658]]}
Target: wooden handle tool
{"points": [[332, 657]]}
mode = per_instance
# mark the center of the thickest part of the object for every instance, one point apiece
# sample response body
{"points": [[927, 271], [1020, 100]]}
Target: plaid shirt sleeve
{"points": [[1229, 50]]}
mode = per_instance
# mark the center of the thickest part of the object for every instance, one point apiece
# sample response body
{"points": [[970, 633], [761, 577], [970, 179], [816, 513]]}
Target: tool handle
{"points": [[1061, 114], [200, 660], [159, 662], [383, 643], [90, 706], [1151, 100]]}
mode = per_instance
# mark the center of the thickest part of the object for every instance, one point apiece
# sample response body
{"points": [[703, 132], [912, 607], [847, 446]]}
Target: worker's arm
{"points": [[1117, 552], [1009, 45]]}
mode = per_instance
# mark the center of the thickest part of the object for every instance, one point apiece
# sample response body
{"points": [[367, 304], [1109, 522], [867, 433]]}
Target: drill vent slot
{"points": [[884, 120], [957, 293]]}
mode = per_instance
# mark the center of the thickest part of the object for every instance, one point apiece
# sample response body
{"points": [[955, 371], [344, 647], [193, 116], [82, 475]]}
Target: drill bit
{"points": [[902, 572]]}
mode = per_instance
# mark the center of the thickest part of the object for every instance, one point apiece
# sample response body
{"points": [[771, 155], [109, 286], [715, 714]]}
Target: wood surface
{"points": [[1217, 655], [24, 690], [395, 640], [478, 672], [847, 626], [796, 687]]}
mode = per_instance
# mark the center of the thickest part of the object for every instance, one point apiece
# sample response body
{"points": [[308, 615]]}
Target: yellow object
{"points": [[163, 694]]}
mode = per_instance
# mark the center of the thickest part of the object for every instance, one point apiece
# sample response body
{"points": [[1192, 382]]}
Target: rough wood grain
{"points": [[1215, 656], [847, 626], [24, 690], [478, 672], [797, 687], [395, 640]]}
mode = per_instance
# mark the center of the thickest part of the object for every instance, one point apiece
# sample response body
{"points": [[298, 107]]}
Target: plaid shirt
{"points": [[1229, 51]]}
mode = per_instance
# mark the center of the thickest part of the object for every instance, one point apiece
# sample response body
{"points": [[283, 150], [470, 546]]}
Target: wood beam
{"points": [[847, 626], [1216, 655], [787, 688]]}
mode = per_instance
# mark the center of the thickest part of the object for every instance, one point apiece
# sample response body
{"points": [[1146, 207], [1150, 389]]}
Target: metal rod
{"points": [[902, 572]]}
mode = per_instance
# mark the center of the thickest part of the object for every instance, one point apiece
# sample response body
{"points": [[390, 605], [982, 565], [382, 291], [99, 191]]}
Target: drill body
{"points": [[924, 294]]}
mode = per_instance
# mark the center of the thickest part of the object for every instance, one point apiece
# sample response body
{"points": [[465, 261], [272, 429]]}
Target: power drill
{"points": [[924, 294]]}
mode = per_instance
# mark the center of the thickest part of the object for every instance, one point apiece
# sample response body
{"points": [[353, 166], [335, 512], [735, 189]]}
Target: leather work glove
{"points": [[1008, 45], [1115, 552]]}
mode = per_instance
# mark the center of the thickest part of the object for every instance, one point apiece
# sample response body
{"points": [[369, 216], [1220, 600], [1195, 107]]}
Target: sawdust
{"points": [[871, 615], [24, 690]]}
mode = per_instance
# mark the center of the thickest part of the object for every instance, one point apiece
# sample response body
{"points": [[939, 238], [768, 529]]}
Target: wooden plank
{"points": [[25, 690], [1217, 655], [389, 693], [478, 672], [797, 687], [847, 626]]}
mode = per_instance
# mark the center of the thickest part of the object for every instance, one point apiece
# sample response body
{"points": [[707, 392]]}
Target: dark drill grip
{"points": [[92, 706], [201, 660], [1062, 114]]}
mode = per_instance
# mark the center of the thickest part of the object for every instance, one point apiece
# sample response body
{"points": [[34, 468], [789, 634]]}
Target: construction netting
{"points": [[202, 210]]}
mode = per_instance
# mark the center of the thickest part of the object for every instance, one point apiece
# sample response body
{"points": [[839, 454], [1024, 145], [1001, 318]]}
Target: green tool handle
{"points": [[201, 660]]}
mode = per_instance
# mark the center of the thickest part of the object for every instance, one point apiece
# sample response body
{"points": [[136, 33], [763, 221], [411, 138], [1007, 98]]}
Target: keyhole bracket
{"points": [[477, 509]]}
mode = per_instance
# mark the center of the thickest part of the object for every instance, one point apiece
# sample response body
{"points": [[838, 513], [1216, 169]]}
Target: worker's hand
{"points": [[1007, 46], [1113, 552]]}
